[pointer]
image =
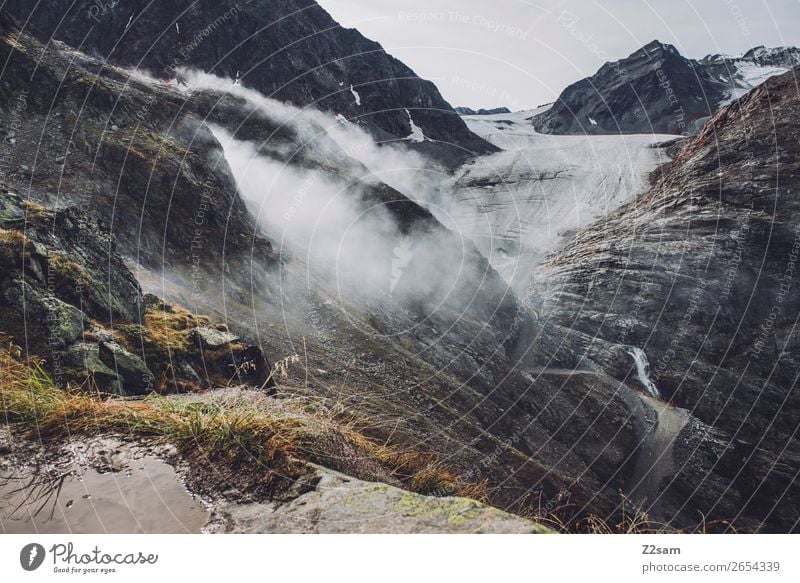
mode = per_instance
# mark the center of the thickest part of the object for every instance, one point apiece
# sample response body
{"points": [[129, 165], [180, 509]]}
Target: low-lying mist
{"points": [[314, 217]]}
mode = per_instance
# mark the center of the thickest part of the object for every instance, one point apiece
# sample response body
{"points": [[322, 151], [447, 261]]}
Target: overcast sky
{"points": [[522, 53]]}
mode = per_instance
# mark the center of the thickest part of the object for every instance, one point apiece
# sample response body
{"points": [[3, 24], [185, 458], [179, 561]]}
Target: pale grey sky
{"points": [[521, 53]]}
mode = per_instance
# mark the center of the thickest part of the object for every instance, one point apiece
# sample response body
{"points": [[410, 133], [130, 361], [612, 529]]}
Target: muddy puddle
{"points": [[126, 494]]}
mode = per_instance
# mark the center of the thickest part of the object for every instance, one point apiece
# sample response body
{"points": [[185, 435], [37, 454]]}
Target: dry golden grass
{"points": [[225, 435], [565, 518], [34, 209], [257, 443], [162, 337], [68, 269]]}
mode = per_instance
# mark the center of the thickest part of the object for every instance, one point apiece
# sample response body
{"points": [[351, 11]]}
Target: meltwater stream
{"points": [[643, 370]]}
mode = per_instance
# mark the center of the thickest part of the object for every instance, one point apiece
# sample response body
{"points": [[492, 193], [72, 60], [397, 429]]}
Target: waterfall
{"points": [[643, 370]]}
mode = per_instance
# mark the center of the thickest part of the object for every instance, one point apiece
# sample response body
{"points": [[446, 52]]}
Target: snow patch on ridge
{"points": [[416, 135], [747, 75]]}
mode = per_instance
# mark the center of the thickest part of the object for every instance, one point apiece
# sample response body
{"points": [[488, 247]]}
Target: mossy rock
{"points": [[341, 504], [132, 370]]}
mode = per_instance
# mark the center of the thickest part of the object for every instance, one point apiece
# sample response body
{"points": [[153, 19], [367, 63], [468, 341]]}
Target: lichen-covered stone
{"points": [[84, 357], [341, 504], [42, 321]]}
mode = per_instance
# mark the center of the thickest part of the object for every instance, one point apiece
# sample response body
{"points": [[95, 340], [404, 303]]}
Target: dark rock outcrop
{"points": [[701, 272], [481, 111]]}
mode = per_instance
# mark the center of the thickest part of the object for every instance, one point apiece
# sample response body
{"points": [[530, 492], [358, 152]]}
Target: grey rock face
{"points": [[86, 356], [211, 338], [135, 376], [68, 298], [60, 270], [37, 318]]}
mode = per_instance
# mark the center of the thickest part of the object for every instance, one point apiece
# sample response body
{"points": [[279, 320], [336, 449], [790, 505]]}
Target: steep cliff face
{"points": [[657, 90], [701, 272], [291, 50]]}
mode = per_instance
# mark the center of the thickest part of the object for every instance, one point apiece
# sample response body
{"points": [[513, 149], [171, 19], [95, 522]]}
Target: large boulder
{"points": [[84, 359], [135, 376]]}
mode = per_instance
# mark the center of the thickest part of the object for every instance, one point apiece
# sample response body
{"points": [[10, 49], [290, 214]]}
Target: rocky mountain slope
{"points": [[129, 154], [657, 90], [753, 67], [481, 111], [700, 273], [290, 50]]}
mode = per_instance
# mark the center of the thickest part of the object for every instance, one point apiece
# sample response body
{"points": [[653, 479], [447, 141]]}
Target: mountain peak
{"points": [[773, 57], [656, 46]]}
